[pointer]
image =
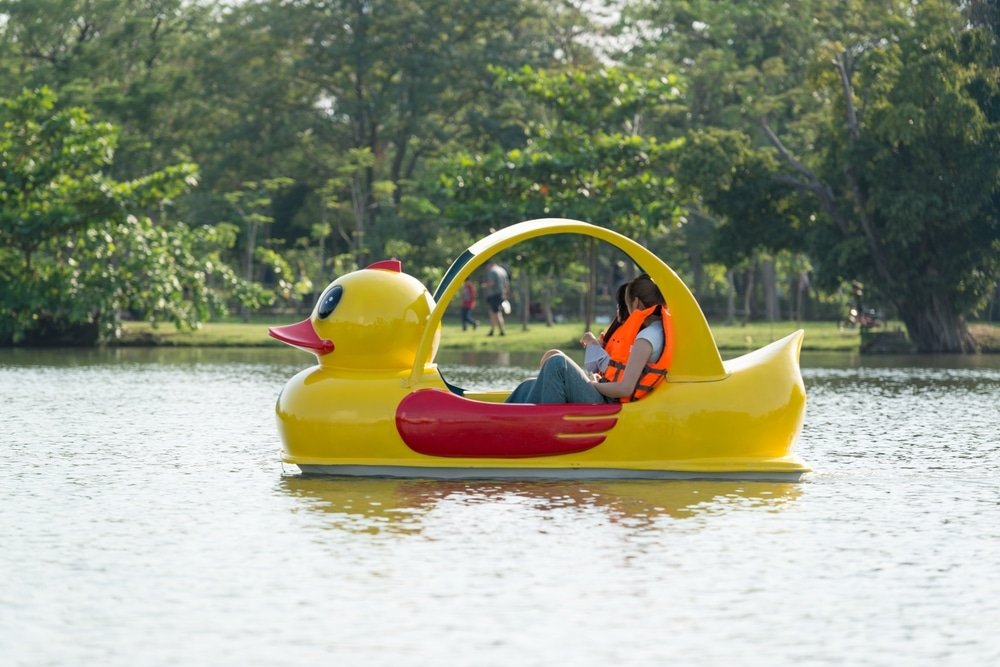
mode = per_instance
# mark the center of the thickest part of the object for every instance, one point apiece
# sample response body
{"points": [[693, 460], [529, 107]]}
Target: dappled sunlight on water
{"points": [[146, 519]]}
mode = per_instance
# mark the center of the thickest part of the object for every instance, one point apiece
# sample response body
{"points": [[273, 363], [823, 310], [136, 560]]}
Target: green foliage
{"points": [[411, 129], [52, 167], [389, 85], [124, 60], [878, 149], [924, 180], [347, 196], [252, 204], [584, 158], [738, 60], [723, 172], [79, 248]]}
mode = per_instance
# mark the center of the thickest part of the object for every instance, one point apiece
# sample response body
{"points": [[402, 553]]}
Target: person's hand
{"points": [[588, 338]]}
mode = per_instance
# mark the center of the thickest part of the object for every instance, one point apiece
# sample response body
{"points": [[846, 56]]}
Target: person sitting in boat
{"points": [[595, 358], [639, 354], [621, 311]]}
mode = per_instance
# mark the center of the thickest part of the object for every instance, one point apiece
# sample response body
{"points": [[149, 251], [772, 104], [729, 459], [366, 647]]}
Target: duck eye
{"points": [[329, 301]]}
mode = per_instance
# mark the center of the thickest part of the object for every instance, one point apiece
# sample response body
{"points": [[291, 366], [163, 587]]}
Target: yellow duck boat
{"points": [[377, 404]]}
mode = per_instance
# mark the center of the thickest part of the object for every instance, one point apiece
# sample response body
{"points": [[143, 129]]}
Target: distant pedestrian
{"points": [[468, 303], [497, 288]]}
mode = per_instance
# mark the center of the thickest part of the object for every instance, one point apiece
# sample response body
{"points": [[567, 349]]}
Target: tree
{"points": [[126, 61], [80, 248], [585, 156], [396, 83], [738, 61], [302, 88], [874, 143], [754, 215], [909, 178], [252, 204]]}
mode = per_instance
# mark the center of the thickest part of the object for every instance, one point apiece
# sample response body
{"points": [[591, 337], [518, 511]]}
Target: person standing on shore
{"points": [[497, 288], [468, 303]]}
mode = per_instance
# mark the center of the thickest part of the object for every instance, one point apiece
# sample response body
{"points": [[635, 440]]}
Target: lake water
{"points": [[145, 519]]}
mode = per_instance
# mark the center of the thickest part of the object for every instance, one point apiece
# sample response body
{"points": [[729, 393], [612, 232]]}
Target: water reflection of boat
{"points": [[366, 504]]}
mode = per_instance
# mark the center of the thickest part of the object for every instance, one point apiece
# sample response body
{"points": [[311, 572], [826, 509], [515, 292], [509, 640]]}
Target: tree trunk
{"points": [[589, 306], [993, 312], [525, 298], [748, 288], [769, 281], [731, 297], [362, 198], [697, 270], [251, 244], [547, 306], [933, 327], [794, 298], [801, 290]]}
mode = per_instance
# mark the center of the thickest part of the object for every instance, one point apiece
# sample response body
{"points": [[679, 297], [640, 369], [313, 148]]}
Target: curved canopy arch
{"points": [[696, 356]]}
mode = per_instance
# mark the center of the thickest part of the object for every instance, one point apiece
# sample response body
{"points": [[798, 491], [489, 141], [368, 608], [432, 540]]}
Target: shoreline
{"points": [[820, 336]]}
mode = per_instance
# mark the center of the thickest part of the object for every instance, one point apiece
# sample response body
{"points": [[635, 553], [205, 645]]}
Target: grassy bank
{"points": [[988, 336], [820, 336], [823, 336]]}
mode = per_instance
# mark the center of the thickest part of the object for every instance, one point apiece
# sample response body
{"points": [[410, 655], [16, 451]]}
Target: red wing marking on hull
{"points": [[438, 423]]}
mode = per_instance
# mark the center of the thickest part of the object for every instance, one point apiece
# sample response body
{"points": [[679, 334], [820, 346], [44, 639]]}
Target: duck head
{"points": [[372, 319]]}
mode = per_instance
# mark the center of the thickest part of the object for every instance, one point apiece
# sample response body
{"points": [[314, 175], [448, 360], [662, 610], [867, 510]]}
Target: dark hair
{"points": [[621, 312], [643, 288], [621, 307]]}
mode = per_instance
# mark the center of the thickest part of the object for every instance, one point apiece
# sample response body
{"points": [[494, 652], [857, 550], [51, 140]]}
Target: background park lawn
{"points": [[820, 336]]}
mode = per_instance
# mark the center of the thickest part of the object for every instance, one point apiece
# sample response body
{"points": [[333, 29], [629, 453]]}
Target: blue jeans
{"points": [[560, 380], [467, 318]]}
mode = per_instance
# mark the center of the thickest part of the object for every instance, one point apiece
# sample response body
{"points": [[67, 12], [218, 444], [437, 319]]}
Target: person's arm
{"points": [[641, 351], [595, 358]]}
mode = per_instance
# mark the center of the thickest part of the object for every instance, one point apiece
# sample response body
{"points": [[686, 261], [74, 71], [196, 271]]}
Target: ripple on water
{"points": [[146, 520]]}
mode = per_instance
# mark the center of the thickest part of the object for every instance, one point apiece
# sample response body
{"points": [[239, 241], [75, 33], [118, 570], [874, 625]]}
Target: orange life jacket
{"points": [[620, 346]]}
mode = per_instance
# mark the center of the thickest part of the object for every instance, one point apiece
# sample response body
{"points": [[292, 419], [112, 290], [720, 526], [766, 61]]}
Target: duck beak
{"points": [[303, 336]]}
